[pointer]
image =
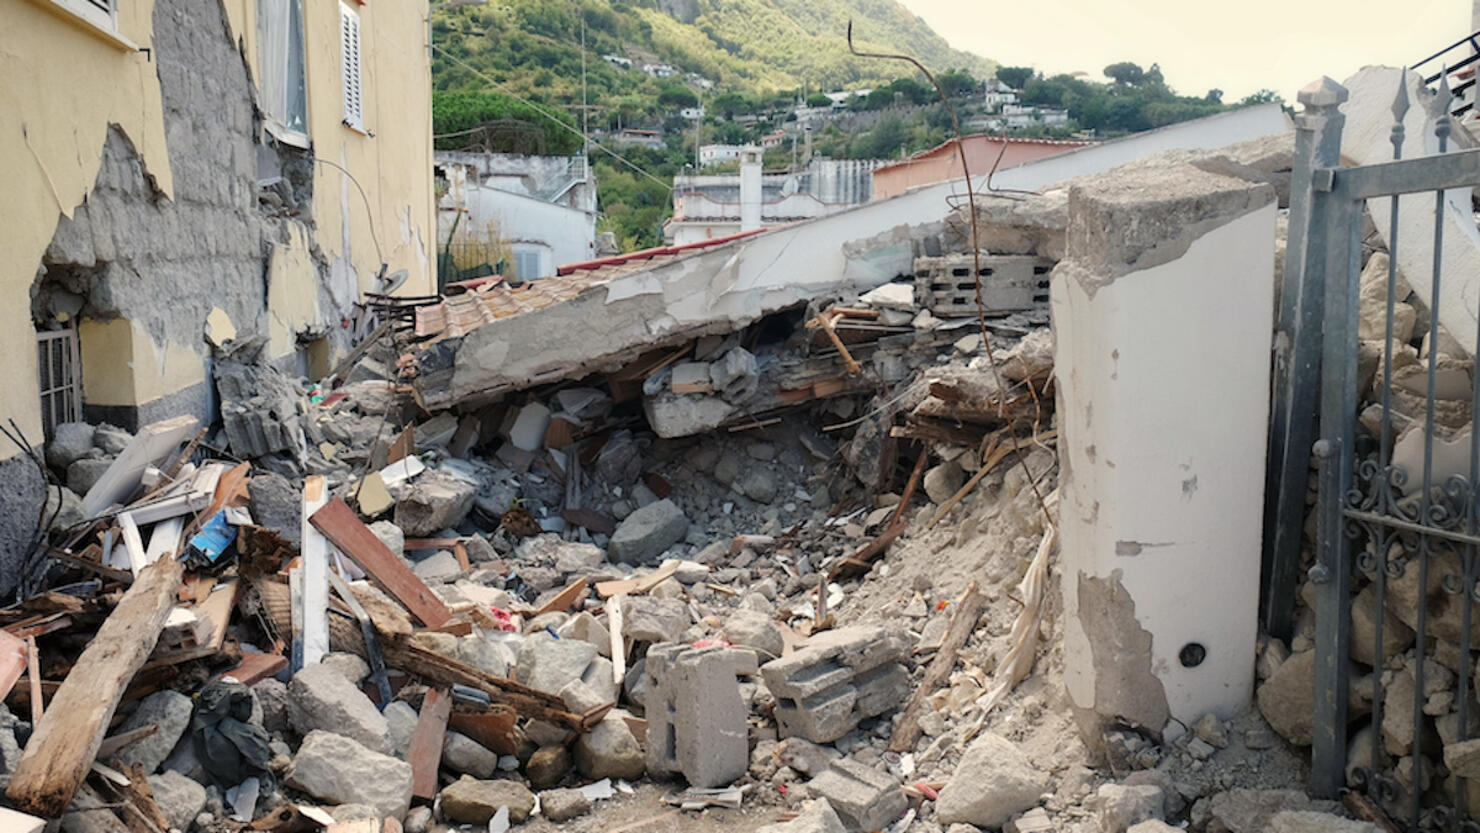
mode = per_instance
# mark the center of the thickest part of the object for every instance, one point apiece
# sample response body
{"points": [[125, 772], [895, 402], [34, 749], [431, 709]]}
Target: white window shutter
{"points": [[349, 52]]}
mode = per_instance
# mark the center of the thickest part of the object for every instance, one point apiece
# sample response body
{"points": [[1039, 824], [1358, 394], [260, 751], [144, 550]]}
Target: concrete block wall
{"points": [[1163, 318]]}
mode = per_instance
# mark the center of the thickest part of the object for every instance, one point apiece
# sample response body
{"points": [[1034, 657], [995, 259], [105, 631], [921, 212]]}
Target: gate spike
{"points": [[1443, 97], [1400, 101]]}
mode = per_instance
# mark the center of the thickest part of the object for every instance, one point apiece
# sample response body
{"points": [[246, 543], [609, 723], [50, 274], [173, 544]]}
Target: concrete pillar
{"points": [[1162, 315], [750, 188]]}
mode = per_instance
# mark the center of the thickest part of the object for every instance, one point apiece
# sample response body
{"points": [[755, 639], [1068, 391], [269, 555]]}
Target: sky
{"points": [[1238, 47]]}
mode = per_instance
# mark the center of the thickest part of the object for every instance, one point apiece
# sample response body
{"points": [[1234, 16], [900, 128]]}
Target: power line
{"points": [[551, 116]]}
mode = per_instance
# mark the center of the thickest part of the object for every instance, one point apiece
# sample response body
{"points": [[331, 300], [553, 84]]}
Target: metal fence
{"points": [[1379, 523]]}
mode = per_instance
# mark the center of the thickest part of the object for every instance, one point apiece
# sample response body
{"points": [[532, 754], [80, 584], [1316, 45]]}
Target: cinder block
{"points": [[945, 286], [696, 720], [864, 798], [837, 679]]}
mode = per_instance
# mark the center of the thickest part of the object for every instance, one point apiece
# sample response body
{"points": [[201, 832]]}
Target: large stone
{"points": [[440, 567], [433, 503], [337, 770], [321, 698], [576, 557], [863, 797], [350, 666], [1287, 699], [654, 620], [272, 696], [82, 474], [461, 753], [63, 509], [1252, 811], [400, 719], [1120, 806], [390, 535], [69, 443], [817, 817], [1304, 821], [564, 805], [610, 751], [1463, 758], [1396, 636], [547, 766], [587, 628], [647, 533], [736, 376], [171, 710], [550, 664], [277, 505], [111, 439], [758, 484], [470, 801], [753, 629], [178, 797], [943, 481], [993, 781]]}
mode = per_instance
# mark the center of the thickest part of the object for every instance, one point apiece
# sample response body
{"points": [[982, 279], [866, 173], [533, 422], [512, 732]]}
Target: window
{"points": [[57, 362], [100, 13], [280, 54], [349, 64], [527, 264]]}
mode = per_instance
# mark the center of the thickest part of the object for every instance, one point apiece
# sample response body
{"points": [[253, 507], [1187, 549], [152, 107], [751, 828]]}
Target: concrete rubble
{"points": [[710, 562]]}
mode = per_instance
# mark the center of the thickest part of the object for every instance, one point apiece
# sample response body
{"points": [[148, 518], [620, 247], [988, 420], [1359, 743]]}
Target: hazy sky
{"points": [[1238, 46]]}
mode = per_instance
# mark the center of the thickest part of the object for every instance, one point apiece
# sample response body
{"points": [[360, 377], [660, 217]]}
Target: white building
{"points": [[618, 60], [707, 206], [999, 94], [537, 211], [718, 154], [692, 113], [658, 70]]}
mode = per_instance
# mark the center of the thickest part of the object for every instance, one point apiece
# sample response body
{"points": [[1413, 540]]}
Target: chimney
{"points": [[750, 188]]}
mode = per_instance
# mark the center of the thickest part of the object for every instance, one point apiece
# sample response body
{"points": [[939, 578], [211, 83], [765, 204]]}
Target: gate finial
{"points": [[1322, 92], [1400, 101]]}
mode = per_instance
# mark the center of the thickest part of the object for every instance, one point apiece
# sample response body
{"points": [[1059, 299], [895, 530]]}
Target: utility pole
{"points": [[585, 113]]}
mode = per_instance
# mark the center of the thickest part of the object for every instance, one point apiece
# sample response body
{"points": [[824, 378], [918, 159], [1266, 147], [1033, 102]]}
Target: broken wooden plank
{"points": [[492, 727], [963, 621], [564, 599], [113, 743], [590, 519], [637, 585], [33, 670], [254, 667], [404, 446], [133, 544], [92, 565], [65, 742], [340, 525], [216, 609], [151, 446], [425, 752], [14, 821], [13, 659], [139, 797], [315, 551]]}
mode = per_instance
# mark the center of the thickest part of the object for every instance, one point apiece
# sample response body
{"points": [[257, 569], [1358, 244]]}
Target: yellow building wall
{"points": [[391, 161], [126, 367], [64, 84]]}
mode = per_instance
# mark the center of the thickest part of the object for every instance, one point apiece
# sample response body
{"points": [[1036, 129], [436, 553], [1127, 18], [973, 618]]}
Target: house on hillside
{"points": [[659, 70], [618, 60], [648, 138], [999, 94], [256, 164], [532, 212], [708, 206]]}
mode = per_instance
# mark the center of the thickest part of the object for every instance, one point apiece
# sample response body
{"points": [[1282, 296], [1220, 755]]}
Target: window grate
{"points": [[57, 360]]}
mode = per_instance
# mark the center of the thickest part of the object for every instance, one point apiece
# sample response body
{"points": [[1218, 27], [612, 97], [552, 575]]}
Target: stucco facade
{"points": [[144, 193]]}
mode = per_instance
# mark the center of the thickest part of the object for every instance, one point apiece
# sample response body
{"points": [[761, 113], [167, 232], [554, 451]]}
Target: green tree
{"points": [[958, 83], [1260, 97], [1015, 77], [455, 112], [818, 100], [675, 96], [1126, 73], [1214, 96], [730, 104]]}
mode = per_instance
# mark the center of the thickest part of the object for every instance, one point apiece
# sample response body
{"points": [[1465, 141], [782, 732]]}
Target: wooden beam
{"points": [[13, 656], [33, 670], [963, 621], [340, 525], [638, 585], [565, 598], [425, 752], [65, 742]]}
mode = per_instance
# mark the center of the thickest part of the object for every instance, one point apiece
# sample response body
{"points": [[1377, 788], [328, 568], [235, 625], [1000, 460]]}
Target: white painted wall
{"points": [[1163, 379], [567, 234]]}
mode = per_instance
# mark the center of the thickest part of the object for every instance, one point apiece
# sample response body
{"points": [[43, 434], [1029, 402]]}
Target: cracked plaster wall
{"points": [[1163, 320]]}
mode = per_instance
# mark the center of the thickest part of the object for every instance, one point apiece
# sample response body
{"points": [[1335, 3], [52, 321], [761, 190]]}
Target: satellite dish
{"points": [[390, 283]]}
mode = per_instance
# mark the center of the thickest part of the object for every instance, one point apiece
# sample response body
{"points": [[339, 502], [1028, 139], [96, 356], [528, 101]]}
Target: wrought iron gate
{"points": [[1378, 522]]}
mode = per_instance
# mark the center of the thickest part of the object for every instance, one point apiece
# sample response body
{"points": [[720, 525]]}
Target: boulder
{"points": [[321, 698], [471, 801], [440, 567], [654, 620], [564, 805], [1287, 698], [547, 766], [1296, 821], [63, 509], [550, 664], [272, 696], [338, 770], [70, 442], [401, 720], [390, 535], [433, 503], [82, 474], [1120, 806], [1252, 811], [993, 781], [110, 439], [172, 711], [610, 751], [752, 629], [647, 533], [178, 797], [943, 481], [350, 666], [587, 628], [277, 505], [817, 817], [461, 753]]}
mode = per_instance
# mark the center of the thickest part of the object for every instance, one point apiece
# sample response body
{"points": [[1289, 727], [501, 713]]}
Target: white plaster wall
{"points": [[1365, 140], [569, 234], [1163, 378]]}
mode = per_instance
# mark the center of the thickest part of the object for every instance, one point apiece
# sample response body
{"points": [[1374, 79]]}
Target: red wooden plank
{"points": [[13, 656], [340, 525], [254, 668], [425, 752]]}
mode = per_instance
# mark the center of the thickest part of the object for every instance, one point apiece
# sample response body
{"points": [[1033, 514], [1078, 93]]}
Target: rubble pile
{"points": [[795, 576], [1440, 768]]}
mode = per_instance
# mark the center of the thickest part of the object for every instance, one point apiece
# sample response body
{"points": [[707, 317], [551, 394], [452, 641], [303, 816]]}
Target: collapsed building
{"points": [[885, 520]]}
